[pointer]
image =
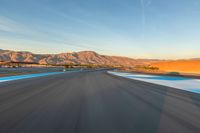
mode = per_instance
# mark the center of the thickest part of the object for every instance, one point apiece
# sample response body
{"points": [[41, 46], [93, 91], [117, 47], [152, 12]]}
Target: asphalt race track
{"points": [[95, 102]]}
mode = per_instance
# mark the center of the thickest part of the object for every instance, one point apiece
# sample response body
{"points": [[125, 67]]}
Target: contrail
{"points": [[143, 12], [143, 17]]}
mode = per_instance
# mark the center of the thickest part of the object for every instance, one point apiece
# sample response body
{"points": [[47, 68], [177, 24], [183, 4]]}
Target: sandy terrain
{"points": [[182, 66]]}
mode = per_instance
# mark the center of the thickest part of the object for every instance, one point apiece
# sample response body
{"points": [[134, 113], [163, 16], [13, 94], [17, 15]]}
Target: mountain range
{"points": [[90, 57], [83, 57]]}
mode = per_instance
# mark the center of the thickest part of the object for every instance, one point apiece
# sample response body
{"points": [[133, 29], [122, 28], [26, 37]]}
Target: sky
{"points": [[159, 29]]}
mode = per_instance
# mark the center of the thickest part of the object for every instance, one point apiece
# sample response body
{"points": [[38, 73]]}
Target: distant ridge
{"points": [[195, 59], [83, 57]]}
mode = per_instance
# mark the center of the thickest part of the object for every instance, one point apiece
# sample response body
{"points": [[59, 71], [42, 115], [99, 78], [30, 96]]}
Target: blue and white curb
{"points": [[188, 84], [12, 78]]}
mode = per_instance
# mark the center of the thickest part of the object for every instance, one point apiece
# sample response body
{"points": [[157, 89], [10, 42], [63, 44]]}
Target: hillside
{"points": [[84, 57]]}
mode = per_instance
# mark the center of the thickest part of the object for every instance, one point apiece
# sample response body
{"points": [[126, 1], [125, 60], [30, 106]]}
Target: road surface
{"points": [[95, 102]]}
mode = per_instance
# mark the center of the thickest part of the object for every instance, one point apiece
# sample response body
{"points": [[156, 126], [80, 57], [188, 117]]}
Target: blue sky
{"points": [[164, 29]]}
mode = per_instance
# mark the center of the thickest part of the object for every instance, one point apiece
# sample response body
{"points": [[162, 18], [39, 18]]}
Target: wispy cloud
{"points": [[30, 35], [54, 35], [17, 31], [82, 20], [8, 25], [11, 25], [83, 17]]}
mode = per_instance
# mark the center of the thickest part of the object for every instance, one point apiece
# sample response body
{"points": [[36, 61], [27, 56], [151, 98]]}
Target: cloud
{"points": [[84, 18], [15, 27], [30, 35], [8, 25]]}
